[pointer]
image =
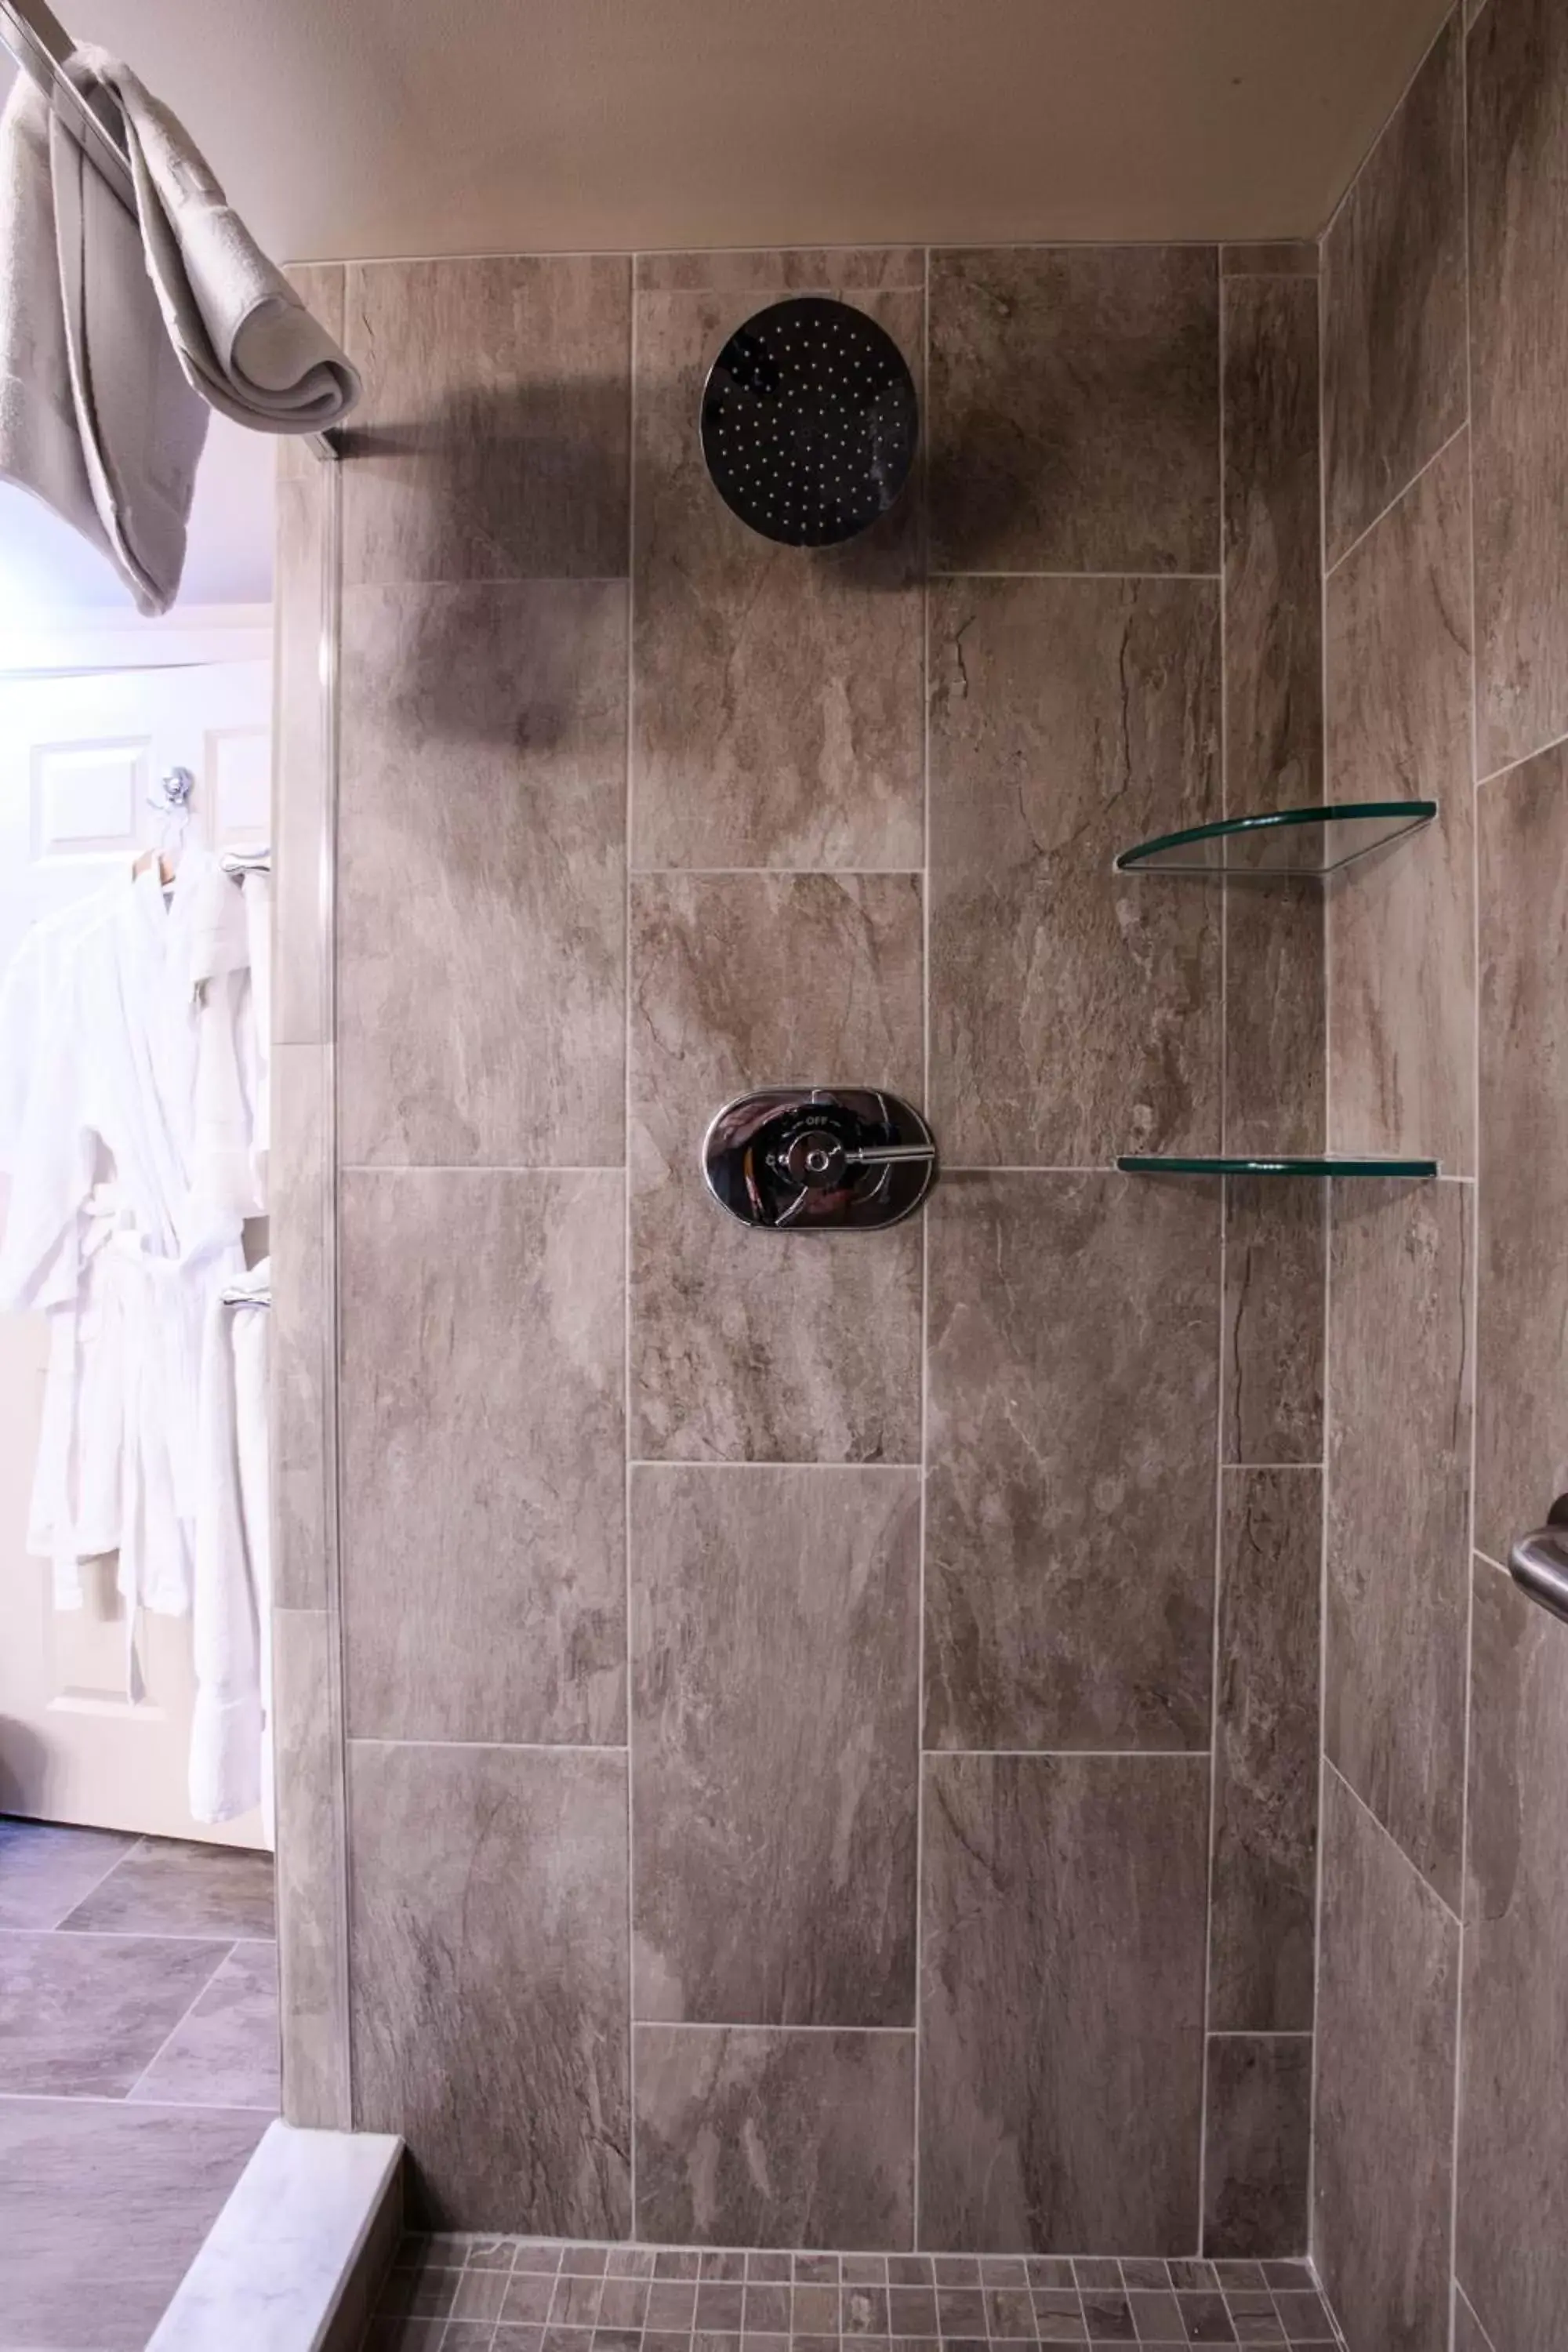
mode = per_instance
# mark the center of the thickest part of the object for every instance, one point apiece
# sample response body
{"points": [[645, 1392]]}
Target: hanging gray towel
{"points": [[244, 338], [118, 331], [40, 448], [96, 418], [143, 427]]}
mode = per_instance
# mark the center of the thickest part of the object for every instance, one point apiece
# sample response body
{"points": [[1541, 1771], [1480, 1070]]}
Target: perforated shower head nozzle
{"points": [[810, 421]]}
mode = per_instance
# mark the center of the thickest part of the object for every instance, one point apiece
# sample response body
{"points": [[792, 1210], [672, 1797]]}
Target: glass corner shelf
{"points": [[1302, 841], [1322, 1164]]}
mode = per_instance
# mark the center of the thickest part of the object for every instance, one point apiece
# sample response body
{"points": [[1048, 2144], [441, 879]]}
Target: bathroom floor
{"points": [[138, 2069], [523, 2294]]}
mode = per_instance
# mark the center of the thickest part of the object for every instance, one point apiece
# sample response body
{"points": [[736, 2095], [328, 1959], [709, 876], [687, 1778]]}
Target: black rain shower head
{"points": [[809, 421]]}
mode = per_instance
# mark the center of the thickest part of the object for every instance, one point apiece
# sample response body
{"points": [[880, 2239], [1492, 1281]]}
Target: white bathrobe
{"points": [[74, 1509], [118, 1088]]}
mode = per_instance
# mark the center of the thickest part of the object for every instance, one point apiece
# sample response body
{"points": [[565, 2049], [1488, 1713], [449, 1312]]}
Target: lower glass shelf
{"points": [[1344, 1163]]}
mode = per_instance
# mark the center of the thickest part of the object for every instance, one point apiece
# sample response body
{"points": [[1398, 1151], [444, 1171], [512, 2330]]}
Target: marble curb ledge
{"points": [[295, 2260]]}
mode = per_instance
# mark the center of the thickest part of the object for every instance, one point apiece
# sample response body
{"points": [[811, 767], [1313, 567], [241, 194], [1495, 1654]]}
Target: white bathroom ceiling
{"points": [[377, 127]]}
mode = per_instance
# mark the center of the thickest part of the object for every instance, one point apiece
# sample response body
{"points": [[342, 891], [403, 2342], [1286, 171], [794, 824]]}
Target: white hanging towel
{"points": [[230, 1767], [244, 338], [230, 1082], [252, 869]]}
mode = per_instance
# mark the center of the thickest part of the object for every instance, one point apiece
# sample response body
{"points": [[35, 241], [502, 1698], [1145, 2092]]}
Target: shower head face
{"points": [[810, 421]]}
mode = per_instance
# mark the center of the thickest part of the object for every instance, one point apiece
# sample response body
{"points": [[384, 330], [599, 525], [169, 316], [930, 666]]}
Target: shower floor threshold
{"points": [[468, 2294]]}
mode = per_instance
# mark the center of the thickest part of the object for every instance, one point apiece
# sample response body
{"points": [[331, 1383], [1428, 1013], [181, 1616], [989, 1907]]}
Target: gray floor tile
{"points": [[988, 2303], [224, 2053], [165, 1888], [45, 1870], [105, 2207], [81, 2016]]}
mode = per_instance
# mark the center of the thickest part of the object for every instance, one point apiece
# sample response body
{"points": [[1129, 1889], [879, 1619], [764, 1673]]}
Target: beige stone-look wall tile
{"points": [[300, 759], [1061, 2002], [751, 1346], [1073, 1328], [493, 439], [1275, 1030], [1258, 2121], [1293, 258], [1401, 1398], [1513, 2131], [1521, 1440], [1394, 303], [1075, 1011], [482, 878], [299, 1334], [777, 721], [1273, 602], [777, 718], [1074, 414], [1276, 1247], [765, 2138], [1263, 1895], [1385, 2116], [787, 269], [1402, 984], [1274, 1020], [1518, 89], [312, 1898], [483, 1447], [776, 1874], [488, 1921]]}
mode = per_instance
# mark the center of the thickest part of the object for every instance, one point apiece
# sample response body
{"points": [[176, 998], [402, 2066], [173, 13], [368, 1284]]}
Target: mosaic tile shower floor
{"points": [[524, 2294]]}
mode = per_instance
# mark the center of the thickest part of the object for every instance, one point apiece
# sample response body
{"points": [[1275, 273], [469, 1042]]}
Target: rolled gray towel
{"points": [[243, 338]]}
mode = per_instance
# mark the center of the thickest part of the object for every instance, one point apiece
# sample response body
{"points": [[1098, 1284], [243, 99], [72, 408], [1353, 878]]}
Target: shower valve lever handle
{"points": [[1538, 1563], [881, 1155]]}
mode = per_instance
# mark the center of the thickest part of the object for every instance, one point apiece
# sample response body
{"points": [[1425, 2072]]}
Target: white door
{"points": [[80, 758]]}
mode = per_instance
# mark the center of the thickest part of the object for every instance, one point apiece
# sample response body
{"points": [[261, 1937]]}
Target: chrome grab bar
{"points": [[1539, 1561]]}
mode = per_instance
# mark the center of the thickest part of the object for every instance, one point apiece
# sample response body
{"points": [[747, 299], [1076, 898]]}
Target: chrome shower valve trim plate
{"points": [[817, 1158]]}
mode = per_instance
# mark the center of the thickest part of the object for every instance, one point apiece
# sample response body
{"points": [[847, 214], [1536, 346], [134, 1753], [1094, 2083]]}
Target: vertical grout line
{"points": [[1471, 1209], [1219, 1449], [925, 1230], [330, 681], [1326, 1239], [627, 1231]]}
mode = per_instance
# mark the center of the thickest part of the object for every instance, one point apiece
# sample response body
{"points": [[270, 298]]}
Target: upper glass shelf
{"points": [[1329, 1164], [1286, 841]]}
